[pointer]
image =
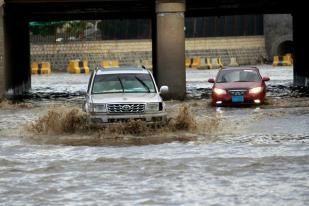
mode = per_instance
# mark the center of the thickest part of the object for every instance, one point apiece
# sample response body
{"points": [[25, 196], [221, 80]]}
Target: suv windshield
{"points": [[123, 83], [247, 75]]}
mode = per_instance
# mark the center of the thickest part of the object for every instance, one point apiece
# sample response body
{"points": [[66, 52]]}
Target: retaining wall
{"points": [[247, 50]]}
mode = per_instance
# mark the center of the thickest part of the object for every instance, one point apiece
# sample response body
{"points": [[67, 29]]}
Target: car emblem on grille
{"points": [[237, 92], [126, 107]]}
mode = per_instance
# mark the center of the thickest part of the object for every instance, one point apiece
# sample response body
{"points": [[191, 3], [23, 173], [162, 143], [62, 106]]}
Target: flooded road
{"points": [[234, 156]]}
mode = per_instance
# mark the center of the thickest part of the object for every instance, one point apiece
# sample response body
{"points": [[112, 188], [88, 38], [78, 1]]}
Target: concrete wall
{"points": [[278, 28], [248, 50]]}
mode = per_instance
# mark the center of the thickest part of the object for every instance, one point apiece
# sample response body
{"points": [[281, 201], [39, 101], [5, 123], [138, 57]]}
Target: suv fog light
{"points": [[218, 102], [257, 101]]}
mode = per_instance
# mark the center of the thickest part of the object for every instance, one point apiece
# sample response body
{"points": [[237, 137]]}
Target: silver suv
{"points": [[116, 95]]}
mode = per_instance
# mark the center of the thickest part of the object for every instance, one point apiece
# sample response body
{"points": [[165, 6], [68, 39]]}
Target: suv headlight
{"points": [[152, 107], [97, 108]]}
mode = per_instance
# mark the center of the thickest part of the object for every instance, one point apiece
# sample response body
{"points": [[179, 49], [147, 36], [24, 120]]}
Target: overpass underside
{"points": [[168, 39]]}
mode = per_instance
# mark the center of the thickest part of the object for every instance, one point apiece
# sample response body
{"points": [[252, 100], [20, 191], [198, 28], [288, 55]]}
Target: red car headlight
{"points": [[256, 90], [219, 91]]}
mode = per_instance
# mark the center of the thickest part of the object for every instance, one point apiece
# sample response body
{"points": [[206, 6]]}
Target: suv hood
{"points": [[125, 98]]}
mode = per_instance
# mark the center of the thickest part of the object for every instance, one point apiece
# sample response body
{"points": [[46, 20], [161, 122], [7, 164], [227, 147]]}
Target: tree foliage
{"points": [[72, 28]]}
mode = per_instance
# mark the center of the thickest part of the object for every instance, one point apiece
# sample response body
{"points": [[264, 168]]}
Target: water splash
{"points": [[184, 120], [63, 125], [60, 120], [9, 104]]}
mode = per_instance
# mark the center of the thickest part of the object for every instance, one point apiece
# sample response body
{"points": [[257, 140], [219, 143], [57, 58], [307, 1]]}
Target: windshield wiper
{"points": [[143, 83], [121, 84]]}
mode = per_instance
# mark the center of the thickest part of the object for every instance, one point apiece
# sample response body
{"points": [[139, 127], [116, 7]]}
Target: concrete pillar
{"points": [[17, 53], [301, 47], [154, 45], [2, 67], [170, 47]]}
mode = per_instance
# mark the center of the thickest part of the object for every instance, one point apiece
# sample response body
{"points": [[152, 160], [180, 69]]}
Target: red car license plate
{"points": [[237, 98]]}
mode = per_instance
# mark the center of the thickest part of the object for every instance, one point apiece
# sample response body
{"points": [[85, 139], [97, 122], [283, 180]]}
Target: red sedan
{"points": [[238, 86]]}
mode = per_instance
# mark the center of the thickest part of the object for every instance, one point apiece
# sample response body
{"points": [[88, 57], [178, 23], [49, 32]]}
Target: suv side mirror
{"points": [[265, 79], [163, 89], [211, 80]]}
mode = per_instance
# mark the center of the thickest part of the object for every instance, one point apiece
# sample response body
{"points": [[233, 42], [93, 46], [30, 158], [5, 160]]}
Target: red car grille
{"points": [[237, 92]]}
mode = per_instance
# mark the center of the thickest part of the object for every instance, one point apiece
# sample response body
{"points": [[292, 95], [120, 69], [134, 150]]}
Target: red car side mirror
{"points": [[265, 79], [211, 80]]}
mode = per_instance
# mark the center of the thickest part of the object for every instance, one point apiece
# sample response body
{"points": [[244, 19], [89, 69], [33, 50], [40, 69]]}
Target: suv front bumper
{"points": [[149, 118]]}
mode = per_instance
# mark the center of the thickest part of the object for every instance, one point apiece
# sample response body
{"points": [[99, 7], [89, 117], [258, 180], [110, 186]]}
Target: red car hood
{"points": [[237, 85]]}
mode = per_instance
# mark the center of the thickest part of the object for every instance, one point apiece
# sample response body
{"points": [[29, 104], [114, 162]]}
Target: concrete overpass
{"points": [[168, 38]]}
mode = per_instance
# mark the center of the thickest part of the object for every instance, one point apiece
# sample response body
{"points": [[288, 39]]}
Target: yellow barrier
{"points": [[115, 63], [216, 63], [78, 67], [276, 61], [289, 55], [105, 64], [109, 64], [208, 63], [196, 62], [233, 62], [220, 62], [188, 62], [203, 63], [287, 60], [40, 68], [212, 63]]}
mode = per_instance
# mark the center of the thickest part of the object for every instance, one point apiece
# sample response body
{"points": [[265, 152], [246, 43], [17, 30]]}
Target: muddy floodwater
{"points": [[213, 156]]}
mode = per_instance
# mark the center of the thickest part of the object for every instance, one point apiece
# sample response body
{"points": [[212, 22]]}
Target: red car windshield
{"points": [[246, 75]]}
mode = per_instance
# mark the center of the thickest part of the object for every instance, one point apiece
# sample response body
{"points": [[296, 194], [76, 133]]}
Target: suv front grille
{"points": [[126, 108], [237, 92]]}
